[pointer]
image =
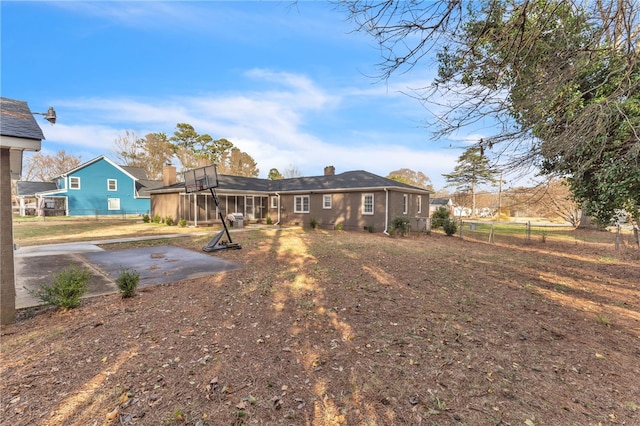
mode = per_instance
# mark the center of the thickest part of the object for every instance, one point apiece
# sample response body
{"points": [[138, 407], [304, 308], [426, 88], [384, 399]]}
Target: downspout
{"points": [[386, 212], [278, 195]]}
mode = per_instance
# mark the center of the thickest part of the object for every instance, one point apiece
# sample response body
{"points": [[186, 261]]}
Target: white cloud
{"points": [[272, 125]]}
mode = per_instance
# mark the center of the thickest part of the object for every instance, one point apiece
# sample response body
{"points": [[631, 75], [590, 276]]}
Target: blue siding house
{"points": [[99, 187]]}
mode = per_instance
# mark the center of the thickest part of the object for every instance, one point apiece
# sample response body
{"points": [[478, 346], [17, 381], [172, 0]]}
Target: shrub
{"points": [[157, 219], [127, 282], [450, 227], [269, 220], [400, 225], [439, 217], [68, 286], [314, 223], [339, 226], [182, 223], [146, 218], [169, 221], [370, 228]]}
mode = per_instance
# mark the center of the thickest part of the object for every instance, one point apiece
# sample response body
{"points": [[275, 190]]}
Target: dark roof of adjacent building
{"points": [[439, 201], [29, 189], [136, 172], [16, 120]]}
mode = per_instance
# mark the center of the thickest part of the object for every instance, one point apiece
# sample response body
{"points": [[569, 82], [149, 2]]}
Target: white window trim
{"points": [[295, 203], [74, 178], [405, 204], [274, 202], [115, 184], [419, 204], [325, 198], [373, 206], [113, 200]]}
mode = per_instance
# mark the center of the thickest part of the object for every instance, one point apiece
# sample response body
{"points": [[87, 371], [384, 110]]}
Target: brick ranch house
{"points": [[354, 200]]}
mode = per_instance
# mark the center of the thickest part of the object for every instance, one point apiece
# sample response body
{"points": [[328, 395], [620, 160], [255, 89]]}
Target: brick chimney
{"points": [[329, 171], [169, 175]]}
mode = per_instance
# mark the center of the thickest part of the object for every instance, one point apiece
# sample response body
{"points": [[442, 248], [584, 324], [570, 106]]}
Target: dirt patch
{"points": [[330, 328]]}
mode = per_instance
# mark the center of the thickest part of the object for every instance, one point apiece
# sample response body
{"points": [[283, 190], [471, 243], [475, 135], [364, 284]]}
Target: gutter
{"points": [[278, 195], [386, 212]]}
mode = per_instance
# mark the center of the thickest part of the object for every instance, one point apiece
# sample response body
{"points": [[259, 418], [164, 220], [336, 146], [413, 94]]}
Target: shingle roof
{"points": [[358, 179], [16, 120], [439, 201], [136, 172], [27, 189], [346, 181]]}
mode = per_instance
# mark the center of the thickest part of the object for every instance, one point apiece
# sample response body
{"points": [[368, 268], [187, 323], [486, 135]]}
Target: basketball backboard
{"points": [[201, 178]]}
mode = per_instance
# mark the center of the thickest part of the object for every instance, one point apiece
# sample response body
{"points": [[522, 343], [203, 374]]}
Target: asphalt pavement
{"points": [[35, 265]]}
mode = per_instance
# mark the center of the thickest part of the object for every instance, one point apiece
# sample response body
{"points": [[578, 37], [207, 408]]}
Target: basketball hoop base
{"points": [[216, 244]]}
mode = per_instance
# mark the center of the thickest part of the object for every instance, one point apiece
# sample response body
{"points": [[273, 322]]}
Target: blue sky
{"points": [[290, 84]]}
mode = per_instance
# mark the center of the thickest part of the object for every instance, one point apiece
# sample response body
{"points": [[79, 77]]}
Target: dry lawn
{"points": [[341, 328]]}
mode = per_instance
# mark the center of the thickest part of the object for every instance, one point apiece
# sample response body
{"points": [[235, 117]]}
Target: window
{"points": [[74, 182], [326, 201], [112, 185], [367, 204], [113, 203], [419, 201], [301, 204], [274, 202], [405, 204]]}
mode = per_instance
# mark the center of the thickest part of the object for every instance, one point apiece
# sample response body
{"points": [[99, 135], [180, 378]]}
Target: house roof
{"points": [[29, 189], [16, 120], [347, 181]]}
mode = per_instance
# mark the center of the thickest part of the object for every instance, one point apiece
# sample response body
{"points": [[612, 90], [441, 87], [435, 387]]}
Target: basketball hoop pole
{"points": [[224, 222], [207, 178]]}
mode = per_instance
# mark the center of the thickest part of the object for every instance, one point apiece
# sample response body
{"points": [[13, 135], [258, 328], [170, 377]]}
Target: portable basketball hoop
{"points": [[207, 178]]}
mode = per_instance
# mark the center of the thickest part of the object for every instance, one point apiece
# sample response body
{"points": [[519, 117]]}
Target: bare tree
{"points": [[44, 167], [559, 78], [411, 177], [291, 171]]}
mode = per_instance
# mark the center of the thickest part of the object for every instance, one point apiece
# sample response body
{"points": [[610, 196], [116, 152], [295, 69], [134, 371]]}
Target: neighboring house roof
{"points": [[16, 120], [137, 172], [440, 201], [30, 189]]}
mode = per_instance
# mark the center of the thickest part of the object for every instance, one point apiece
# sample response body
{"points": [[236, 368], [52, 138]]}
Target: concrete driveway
{"points": [[36, 265]]}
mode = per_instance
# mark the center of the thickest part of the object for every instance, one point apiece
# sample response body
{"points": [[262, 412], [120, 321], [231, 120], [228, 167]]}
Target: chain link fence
{"points": [[532, 232]]}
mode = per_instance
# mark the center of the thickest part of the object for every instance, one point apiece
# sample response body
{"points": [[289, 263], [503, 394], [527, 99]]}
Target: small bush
{"points": [[269, 220], [157, 219], [67, 288], [339, 226], [314, 223], [450, 227], [370, 228], [146, 218], [439, 217], [127, 282], [169, 221], [182, 223], [400, 225]]}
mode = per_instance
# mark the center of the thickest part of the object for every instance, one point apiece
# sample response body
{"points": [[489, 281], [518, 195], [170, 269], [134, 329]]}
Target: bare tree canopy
{"points": [[43, 167], [411, 177], [560, 79]]}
